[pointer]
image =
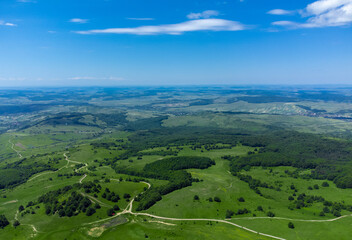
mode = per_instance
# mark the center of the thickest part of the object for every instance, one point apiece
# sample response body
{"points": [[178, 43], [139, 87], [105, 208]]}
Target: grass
{"points": [[216, 181]]}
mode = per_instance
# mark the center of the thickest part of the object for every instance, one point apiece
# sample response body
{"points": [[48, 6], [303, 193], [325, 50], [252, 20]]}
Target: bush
{"points": [[90, 211], [16, 223], [3, 221], [325, 184], [290, 225], [229, 213], [217, 199], [241, 199], [337, 213], [260, 208], [242, 211], [21, 208], [196, 197], [270, 214], [110, 212]]}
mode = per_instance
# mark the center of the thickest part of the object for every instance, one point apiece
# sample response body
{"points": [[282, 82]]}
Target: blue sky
{"points": [[174, 42]]}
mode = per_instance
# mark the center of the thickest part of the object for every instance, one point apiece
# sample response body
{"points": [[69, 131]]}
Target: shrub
{"points": [[241, 199], [16, 223], [21, 208], [270, 214], [229, 213], [110, 212], [290, 225], [325, 184], [90, 211], [3, 221]]}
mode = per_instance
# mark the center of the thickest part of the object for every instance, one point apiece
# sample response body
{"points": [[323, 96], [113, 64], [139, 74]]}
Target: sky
{"points": [[174, 42]]}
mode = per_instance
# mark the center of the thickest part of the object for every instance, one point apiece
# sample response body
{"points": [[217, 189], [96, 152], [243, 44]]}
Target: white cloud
{"points": [[205, 14], [141, 19], [284, 23], [174, 29], [98, 78], [3, 23], [280, 12], [324, 13], [78, 20]]}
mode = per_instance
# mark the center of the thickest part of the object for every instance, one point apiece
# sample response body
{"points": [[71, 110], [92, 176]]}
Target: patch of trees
{"points": [[328, 158], [145, 124], [3, 221], [171, 169], [304, 200], [74, 205], [177, 180], [113, 119], [179, 163], [19, 172], [68, 202], [202, 102], [110, 195], [253, 183]]}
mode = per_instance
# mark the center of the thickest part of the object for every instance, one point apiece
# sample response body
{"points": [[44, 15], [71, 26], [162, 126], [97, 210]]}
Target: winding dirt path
{"points": [[66, 166], [82, 178], [292, 219], [13, 148]]}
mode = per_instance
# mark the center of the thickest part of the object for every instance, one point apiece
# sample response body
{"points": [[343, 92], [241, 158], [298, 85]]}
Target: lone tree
{"points": [[3, 221], [325, 184], [196, 197], [270, 214], [229, 213], [290, 225], [21, 208], [116, 208], [110, 212], [241, 199], [217, 199], [16, 223], [90, 211]]}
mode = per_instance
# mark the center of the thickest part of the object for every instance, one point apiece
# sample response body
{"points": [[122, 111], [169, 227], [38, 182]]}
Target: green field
{"points": [[183, 165]]}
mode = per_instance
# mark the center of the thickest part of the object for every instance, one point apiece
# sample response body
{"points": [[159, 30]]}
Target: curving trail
{"points": [[291, 219], [207, 220], [129, 207], [128, 210], [82, 178], [13, 148], [66, 166]]}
